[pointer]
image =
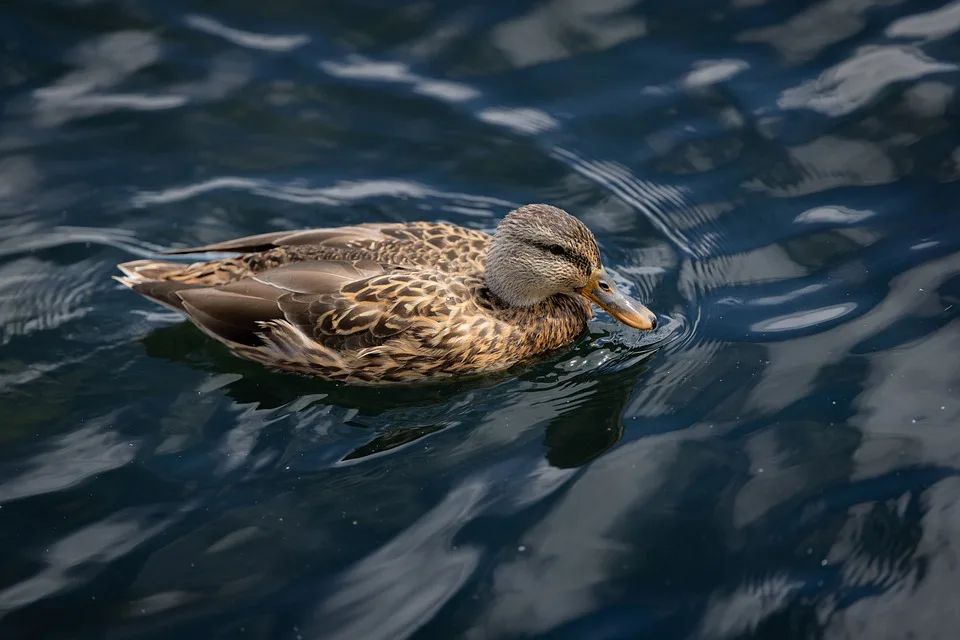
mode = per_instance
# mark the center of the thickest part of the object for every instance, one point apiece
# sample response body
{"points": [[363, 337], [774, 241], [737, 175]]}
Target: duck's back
{"points": [[445, 247]]}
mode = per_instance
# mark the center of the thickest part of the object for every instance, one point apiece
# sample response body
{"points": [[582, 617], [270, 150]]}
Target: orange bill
{"points": [[604, 293]]}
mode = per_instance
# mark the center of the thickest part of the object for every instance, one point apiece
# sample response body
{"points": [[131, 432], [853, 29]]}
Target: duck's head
{"points": [[539, 251]]}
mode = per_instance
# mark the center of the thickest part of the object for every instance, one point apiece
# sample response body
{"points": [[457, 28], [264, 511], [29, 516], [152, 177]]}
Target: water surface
{"points": [[778, 180]]}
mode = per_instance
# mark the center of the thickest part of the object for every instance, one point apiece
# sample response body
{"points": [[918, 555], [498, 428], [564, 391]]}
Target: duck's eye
{"points": [[556, 250]]}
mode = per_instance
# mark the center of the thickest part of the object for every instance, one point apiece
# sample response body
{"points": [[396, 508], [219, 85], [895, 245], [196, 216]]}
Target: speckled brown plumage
{"points": [[375, 303]]}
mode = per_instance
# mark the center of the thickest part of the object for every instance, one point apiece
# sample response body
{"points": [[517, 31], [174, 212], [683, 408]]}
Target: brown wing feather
{"points": [[339, 305], [337, 236], [317, 277], [420, 244], [228, 316], [362, 313]]}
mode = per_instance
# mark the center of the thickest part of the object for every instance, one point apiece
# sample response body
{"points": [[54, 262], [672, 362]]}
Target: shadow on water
{"points": [[247, 382], [571, 441]]}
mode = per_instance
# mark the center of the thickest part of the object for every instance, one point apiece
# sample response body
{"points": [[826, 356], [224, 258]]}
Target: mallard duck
{"points": [[381, 303]]}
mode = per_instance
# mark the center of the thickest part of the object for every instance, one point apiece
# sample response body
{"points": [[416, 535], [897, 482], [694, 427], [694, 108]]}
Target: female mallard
{"points": [[377, 303]]}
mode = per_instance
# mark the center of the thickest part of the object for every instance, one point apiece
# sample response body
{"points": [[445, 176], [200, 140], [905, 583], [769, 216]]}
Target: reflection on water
{"points": [[778, 460]]}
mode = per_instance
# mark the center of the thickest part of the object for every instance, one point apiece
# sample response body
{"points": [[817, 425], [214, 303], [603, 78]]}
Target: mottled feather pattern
{"points": [[364, 304], [446, 247]]}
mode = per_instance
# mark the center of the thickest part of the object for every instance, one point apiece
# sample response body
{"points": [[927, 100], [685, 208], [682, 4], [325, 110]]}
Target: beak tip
{"points": [[646, 323], [640, 318], [644, 320]]}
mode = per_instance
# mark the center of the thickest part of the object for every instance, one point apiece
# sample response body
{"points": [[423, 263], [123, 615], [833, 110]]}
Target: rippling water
{"points": [[777, 179]]}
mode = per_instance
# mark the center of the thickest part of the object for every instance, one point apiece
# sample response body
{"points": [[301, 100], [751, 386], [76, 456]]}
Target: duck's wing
{"points": [[341, 237], [442, 246], [327, 307]]}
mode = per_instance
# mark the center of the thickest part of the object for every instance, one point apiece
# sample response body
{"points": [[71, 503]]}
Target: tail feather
{"points": [[160, 291], [149, 278], [138, 271]]}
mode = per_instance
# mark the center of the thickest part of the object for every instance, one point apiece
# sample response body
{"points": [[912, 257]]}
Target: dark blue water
{"points": [[778, 180]]}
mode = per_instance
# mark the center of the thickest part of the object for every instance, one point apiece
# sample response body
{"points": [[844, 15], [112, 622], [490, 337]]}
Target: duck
{"points": [[382, 303]]}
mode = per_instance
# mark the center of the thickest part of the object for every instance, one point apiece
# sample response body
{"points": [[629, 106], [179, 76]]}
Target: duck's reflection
{"points": [[580, 410], [251, 383], [575, 438]]}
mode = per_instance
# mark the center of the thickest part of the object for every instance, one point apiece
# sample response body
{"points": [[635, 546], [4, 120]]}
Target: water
{"points": [[777, 180]]}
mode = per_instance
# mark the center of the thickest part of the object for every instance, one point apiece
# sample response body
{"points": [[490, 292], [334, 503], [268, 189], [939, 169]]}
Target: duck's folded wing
{"points": [[337, 237], [337, 304], [417, 244]]}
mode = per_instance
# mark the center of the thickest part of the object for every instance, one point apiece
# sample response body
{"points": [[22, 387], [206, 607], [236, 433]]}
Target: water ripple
{"points": [[248, 39], [35, 296], [72, 458], [333, 195], [805, 319], [931, 25], [853, 83]]}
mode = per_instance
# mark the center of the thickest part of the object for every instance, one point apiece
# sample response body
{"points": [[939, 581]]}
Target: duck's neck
{"points": [[510, 281]]}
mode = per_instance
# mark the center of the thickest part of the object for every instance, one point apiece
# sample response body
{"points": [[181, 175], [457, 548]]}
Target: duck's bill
{"points": [[605, 295]]}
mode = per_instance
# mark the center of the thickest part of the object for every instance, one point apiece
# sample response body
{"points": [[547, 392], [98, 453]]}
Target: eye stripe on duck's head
{"points": [[576, 258]]}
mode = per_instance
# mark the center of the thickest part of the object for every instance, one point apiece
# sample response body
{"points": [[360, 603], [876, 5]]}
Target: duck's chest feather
{"points": [[482, 333], [402, 327]]}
